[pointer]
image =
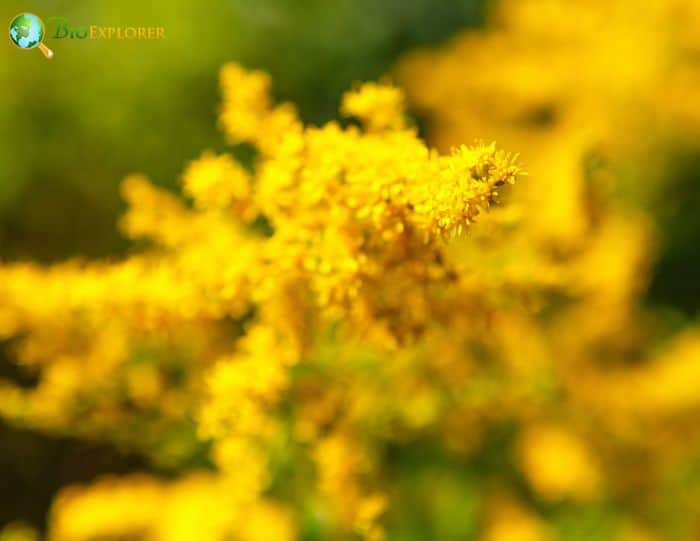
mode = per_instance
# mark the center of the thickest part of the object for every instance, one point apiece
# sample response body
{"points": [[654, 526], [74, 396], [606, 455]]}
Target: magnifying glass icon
{"points": [[27, 32]]}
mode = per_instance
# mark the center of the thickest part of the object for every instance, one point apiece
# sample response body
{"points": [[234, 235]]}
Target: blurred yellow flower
{"points": [[558, 465]]}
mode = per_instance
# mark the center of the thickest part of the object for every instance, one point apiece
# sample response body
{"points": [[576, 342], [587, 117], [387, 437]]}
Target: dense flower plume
{"points": [[292, 311]]}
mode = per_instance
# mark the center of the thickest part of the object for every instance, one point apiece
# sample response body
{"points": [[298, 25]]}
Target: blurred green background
{"points": [[74, 126]]}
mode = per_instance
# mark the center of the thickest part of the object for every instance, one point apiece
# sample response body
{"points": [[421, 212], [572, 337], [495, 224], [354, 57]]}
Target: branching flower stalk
{"points": [[255, 335]]}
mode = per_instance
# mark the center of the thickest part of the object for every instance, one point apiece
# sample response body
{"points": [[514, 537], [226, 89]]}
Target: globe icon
{"points": [[27, 32]]}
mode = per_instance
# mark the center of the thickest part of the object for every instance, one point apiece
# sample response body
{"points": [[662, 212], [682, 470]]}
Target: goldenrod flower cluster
{"points": [[355, 297], [606, 409], [300, 315]]}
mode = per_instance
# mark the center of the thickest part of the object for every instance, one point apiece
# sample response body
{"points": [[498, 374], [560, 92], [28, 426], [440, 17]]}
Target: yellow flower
{"points": [[379, 107], [558, 465], [218, 182], [512, 522], [222, 321]]}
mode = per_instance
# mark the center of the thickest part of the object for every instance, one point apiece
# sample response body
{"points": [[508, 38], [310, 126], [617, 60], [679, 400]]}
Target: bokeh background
{"points": [[74, 127]]}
